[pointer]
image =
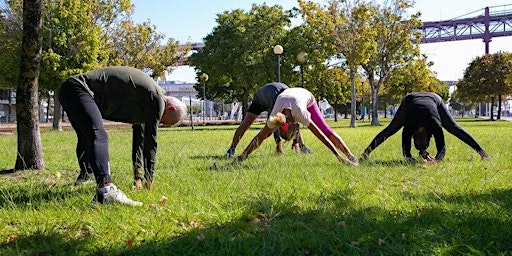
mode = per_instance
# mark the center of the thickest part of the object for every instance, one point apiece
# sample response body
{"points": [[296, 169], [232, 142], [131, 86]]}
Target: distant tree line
{"points": [[349, 45]]}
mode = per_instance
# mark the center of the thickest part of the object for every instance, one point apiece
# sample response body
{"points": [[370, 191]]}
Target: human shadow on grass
{"points": [[45, 242], [209, 157], [336, 225], [394, 162], [276, 226], [7, 171]]}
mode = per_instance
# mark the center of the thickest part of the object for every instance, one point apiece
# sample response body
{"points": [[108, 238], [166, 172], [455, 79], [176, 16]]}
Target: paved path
{"points": [[9, 128], [505, 118]]}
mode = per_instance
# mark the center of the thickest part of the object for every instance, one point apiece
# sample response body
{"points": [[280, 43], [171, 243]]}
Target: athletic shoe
{"points": [[112, 195], [353, 160], [231, 152], [84, 178], [305, 149]]}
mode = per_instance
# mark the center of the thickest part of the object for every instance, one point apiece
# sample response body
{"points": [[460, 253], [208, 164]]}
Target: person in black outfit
{"points": [[423, 115], [121, 94]]}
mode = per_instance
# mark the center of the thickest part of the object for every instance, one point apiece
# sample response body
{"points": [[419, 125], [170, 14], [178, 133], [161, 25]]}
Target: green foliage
{"points": [[486, 77], [413, 76], [82, 35], [71, 42], [10, 43], [238, 53], [347, 23], [335, 87], [394, 29], [140, 46], [204, 204]]}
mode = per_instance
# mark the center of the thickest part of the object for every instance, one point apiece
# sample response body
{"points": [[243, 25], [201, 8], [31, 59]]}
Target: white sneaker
{"points": [[112, 195]]}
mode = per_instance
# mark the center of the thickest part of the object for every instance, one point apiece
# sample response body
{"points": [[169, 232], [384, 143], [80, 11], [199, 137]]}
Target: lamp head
{"points": [[278, 49]]}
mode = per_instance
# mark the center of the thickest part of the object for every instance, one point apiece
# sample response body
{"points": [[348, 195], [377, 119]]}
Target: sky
{"points": [[191, 21]]}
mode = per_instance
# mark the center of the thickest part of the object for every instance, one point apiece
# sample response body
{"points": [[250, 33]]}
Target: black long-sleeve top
{"points": [[126, 94], [422, 109]]}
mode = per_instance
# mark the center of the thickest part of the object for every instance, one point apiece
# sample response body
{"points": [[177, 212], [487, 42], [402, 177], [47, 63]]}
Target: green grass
{"points": [[268, 205]]}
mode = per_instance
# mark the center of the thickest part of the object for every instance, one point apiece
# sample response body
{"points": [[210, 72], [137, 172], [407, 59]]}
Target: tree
{"points": [[140, 46], [82, 35], [486, 78], [30, 153], [347, 22], [325, 79], [315, 42], [337, 88], [413, 76], [238, 55], [393, 34], [11, 25], [71, 45]]}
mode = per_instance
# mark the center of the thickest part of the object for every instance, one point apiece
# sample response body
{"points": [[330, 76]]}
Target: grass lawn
{"points": [[268, 205]]}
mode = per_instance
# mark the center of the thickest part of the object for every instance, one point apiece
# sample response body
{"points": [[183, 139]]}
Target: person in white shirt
{"points": [[298, 105]]}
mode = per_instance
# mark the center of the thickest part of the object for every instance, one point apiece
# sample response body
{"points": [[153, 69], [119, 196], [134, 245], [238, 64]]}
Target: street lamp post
{"points": [[278, 50], [190, 106], [301, 58], [204, 77], [363, 110]]}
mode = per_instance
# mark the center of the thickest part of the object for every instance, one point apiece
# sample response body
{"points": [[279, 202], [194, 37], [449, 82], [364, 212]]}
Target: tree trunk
{"points": [[374, 90], [492, 108], [353, 98], [499, 108], [57, 112], [30, 153], [375, 107], [245, 103]]}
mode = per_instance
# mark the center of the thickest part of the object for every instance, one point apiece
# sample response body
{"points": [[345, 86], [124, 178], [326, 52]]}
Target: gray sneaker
{"points": [[230, 152], [305, 149], [113, 195]]}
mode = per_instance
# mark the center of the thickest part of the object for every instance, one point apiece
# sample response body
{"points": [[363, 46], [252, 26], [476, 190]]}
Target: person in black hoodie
{"points": [[121, 94], [423, 115]]}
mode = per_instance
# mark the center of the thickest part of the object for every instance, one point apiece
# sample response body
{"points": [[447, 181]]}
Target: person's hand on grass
{"points": [[484, 155], [430, 159], [279, 148]]}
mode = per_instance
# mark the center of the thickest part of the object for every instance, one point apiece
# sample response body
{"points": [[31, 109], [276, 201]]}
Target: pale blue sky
{"points": [[190, 21]]}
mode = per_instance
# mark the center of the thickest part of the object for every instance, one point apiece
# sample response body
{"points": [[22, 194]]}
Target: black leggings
{"points": [[85, 117]]}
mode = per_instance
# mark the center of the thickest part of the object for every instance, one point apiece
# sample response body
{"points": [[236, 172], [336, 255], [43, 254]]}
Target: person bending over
{"points": [[298, 105], [423, 115], [263, 100], [121, 94]]}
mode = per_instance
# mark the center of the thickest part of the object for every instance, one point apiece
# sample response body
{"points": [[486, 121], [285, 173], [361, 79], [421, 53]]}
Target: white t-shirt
{"points": [[298, 100]]}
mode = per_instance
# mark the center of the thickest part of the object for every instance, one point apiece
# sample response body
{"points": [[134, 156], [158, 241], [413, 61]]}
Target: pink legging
{"points": [[318, 119]]}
